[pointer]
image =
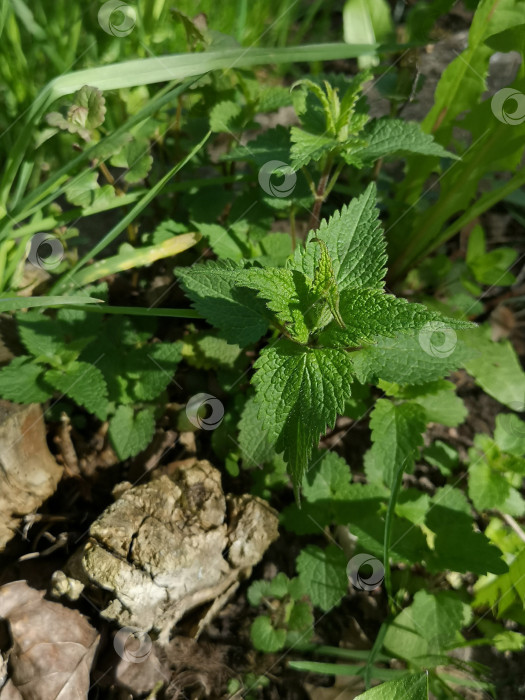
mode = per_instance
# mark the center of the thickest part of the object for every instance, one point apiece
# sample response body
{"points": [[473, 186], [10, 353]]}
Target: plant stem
{"points": [[509, 520], [374, 652], [292, 227], [396, 487], [334, 179], [320, 196]]}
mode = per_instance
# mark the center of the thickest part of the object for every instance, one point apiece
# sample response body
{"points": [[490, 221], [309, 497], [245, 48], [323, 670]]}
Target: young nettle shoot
{"points": [[330, 298]]}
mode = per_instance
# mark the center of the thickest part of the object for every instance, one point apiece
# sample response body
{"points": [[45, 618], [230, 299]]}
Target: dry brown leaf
{"points": [[28, 472], [142, 677], [53, 646]]}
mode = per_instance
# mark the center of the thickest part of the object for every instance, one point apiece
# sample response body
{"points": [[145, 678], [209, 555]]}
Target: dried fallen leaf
{"points": [[53, 646], [28, 472]]}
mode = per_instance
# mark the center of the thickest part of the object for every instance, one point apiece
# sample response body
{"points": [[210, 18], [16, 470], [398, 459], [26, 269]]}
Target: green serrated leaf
{"points": [[355, 243], [388, 137], [307, 147], [271, 145], [300, 391], [496, 367], [509, 433], [370, 313], [150, 368], [225, 117], [489, 488], [450, 519], [402, 359], [256, 447], [442, 456], [501, 593], [80, 191], [324, 292], [286, 295], [397, 432], [429, 626], [39, 335], [130, 431], [212, 287], [138, 160], [410, 687], [85, 114], [327, 479], [224, 243], [89, 107], [84, 383], [323, 574], [265, 637], [22, 381]]}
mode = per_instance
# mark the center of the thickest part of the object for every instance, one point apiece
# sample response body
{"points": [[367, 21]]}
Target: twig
{"points": [[512, 524]]}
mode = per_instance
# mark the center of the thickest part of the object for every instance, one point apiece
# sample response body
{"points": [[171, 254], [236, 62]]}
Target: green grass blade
{"points": [[161, 69], [48, 190], [17, 303], [180, 66], [382, 674], [138, 311], [69, 278], [136, 257], [356, 654]]}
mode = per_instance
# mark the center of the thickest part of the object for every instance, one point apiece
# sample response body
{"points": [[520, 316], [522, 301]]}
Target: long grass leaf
{"points": [[69, 278], [17, 303]]}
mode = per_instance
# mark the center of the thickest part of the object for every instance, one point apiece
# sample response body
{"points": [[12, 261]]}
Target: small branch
{"points": [[509, 520], [309, 180], [109, 177], [292, 227], [320, 196], [377, 169], [334, 179]]}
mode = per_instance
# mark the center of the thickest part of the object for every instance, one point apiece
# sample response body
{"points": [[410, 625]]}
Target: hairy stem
{"points": [[396, 487], [320, 196]]}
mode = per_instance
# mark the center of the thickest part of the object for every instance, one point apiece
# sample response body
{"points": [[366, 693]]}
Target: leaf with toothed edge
{"points": [[300, 392]]}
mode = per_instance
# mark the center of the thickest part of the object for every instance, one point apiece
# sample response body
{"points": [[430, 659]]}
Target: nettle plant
{"points": [[333, 323], [335, 131]]}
